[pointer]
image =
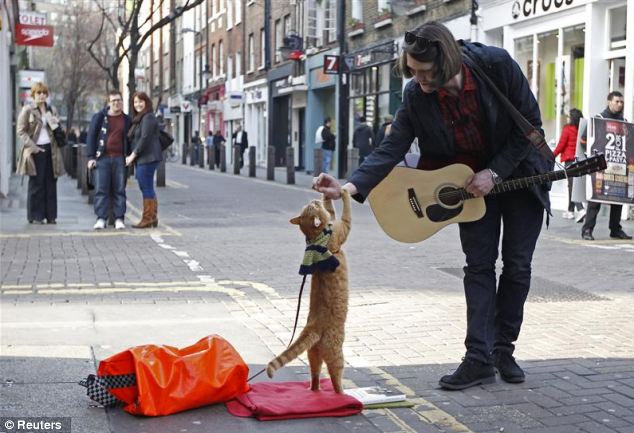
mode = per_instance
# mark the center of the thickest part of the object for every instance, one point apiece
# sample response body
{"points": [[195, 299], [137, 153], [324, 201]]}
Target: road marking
{"points": [[604, 244], [426, 411], [176, 185]]}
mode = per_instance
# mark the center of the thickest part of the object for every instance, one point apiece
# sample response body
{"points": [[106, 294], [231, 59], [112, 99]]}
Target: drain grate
{"points": [[544, 290]]}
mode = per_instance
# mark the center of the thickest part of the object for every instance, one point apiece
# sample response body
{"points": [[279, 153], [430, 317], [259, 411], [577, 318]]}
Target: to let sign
{"points": [[37, 35], [331, 64]]}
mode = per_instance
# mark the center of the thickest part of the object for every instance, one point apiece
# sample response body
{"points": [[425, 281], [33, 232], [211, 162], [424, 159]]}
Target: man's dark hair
{"points": [[443, 51], [362, 119], [575, 116], [616, 93], [113, 92], [327, 119]]}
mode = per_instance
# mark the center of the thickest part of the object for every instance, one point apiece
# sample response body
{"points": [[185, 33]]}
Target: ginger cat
{"points": [[324, 332]]}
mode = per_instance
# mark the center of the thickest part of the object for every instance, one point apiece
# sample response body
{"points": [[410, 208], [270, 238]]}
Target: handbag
{"points": [[155, 380], [59, 135], [165, 139]]}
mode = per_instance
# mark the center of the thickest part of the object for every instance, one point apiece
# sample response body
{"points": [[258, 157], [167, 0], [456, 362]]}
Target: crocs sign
{"points": [[38, 35], [532, 8]]}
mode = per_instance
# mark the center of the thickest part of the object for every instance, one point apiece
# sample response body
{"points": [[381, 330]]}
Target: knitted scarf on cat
{"points": [[317, 256]]}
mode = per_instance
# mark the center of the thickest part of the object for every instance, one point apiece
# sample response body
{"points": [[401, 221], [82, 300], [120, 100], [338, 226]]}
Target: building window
{"points": [[287, 24], [214, 69], [617, 23], [238, 64], [238, 14], [330, 21], [229, 7], [251, 54], [278, 40], [262, 48], [220, 57], [384, 5], [357, 10], [229, 68]]}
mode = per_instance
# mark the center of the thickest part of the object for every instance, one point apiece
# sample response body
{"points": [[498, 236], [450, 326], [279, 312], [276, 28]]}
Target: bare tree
{"points": [[72, 71], [132, 33]]}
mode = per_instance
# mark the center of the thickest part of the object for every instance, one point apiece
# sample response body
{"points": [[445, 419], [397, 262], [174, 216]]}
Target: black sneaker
{"points": [[507, 367], [620, 235], [469, 373], [587, 235]]}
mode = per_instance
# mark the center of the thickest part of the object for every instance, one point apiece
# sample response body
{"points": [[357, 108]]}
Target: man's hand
{"points": [[480, 183], [92, 164], [330, 187]]}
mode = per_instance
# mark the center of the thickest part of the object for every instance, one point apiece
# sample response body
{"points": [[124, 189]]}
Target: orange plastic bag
{"points": [[170, 380]]}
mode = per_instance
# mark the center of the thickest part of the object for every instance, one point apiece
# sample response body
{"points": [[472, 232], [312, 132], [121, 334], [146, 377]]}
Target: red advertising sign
{"points": [[27, 34]]}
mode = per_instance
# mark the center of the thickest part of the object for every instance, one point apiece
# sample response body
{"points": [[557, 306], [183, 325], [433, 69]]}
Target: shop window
{"points": [[572, 64], [524, 57], [617, 75], [547, 51], [617, 24]]}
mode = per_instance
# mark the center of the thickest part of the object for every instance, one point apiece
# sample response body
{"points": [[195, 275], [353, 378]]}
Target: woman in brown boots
{"points": [[147, 155]]}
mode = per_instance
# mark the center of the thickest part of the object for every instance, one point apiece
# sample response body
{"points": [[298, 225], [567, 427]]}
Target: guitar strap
{"points": [[529, 131]]}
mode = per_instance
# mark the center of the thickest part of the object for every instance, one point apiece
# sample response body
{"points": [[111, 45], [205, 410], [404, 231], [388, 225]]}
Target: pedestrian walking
{"points": [[40, 156], [219, 140], [328, 145], [240, 138], [384, 129], [363, 139], [567, 148], [494, 147], [614, 110], [107, 148], [146, 155]]}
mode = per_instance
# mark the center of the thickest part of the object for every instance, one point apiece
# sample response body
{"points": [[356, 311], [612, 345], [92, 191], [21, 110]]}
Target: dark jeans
{"points": [[41, 201], [593, 211], [145, 177], [110, 176], [494, 317], [571, 204]]}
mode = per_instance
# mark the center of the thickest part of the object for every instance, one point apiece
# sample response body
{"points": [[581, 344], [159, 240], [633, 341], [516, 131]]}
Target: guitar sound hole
{"points": [[449, 197]]}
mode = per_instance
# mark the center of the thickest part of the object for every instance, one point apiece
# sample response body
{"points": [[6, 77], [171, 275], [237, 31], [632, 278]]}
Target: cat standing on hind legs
{"points": [[324, 333]]}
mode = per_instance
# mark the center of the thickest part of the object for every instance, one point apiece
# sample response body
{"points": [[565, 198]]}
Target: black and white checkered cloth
{"points": [[97, 387]]}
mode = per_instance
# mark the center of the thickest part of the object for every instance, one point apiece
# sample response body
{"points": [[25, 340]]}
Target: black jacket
{"points": [[146, 142], [419, 116], [329, 139], [98, 134], [362, 139]]}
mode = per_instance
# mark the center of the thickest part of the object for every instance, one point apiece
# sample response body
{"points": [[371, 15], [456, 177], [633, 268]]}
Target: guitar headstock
{"points": [[588, 165]]}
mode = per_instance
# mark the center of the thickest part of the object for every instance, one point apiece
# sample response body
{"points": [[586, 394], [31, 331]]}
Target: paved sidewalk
{"points": [[224, 260]]}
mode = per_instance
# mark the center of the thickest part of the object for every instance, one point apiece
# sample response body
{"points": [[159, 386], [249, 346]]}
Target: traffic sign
{"points": [[331, 64]]}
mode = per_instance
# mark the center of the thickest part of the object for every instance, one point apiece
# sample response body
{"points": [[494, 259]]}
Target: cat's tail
{"points": [[306, 340]]}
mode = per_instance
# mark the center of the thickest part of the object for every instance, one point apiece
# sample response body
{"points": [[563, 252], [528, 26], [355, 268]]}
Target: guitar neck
{"points": [[524, 182]]}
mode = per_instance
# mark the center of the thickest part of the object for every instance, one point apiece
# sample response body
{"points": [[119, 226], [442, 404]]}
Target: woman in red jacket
{"points": [[567, 148]]}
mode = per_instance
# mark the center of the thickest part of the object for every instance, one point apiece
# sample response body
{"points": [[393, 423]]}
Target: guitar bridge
{"points": [[414, 203]]}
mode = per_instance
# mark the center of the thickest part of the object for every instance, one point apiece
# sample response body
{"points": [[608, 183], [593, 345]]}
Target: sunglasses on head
{"points": [[419, 42]]}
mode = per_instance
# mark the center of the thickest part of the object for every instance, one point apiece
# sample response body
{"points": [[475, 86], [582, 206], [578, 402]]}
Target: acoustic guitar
{"points": [[411, 205]]}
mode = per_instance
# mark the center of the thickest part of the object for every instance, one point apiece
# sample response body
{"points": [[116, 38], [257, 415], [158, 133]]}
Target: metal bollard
{"points": [[290, 165], [73, 160], [211, 157], [223, 158], [79, 163], [353, 160], [201, 156], [160, 173], [252, 161], [82, 177], [237, 151], [184, 154], [192, 155], [270, 163], [318, 161]]}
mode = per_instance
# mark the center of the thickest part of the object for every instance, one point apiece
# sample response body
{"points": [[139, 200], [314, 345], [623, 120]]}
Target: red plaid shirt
{"points": [[462, 116]]}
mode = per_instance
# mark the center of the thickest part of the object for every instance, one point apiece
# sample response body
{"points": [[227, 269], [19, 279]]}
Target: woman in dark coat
{"points": [[147, 155]]}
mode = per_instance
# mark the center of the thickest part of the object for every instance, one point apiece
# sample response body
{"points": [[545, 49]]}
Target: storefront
{"points": [[320, 103], [375, 91], [573, 53], [280, 89], [233, 107], [255, 113]]}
